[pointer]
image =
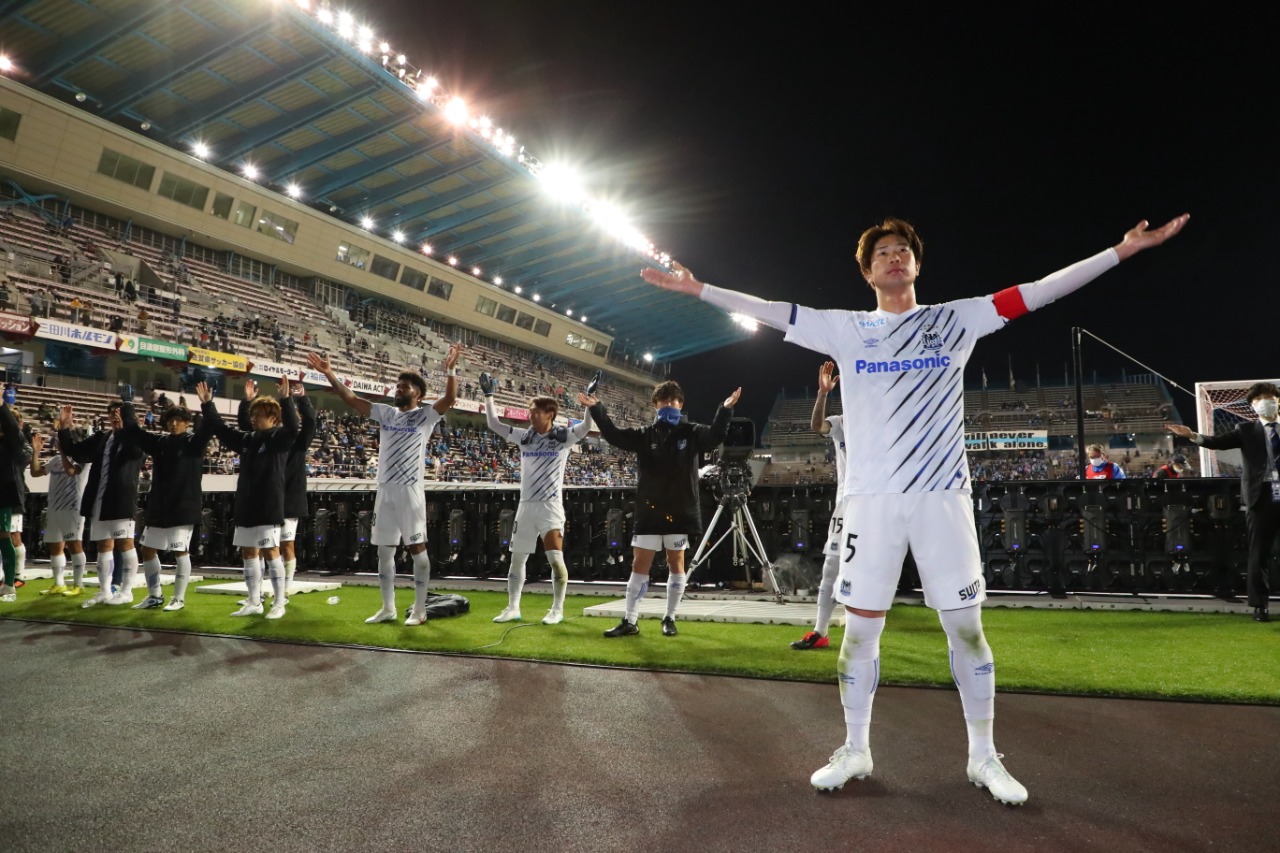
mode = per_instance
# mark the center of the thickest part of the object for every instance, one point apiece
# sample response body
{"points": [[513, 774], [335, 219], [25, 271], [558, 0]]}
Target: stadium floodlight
{"points": [[583, 318], [537, 297], [518, 289], [292, 190], [366, 222], [648, 356], [250, 171], [6, 64], [453, 260], [568, 312], [325, 16], [475, 271], [456, 111], [81, 97], [385, 48], [200, 150], [397, 236], [427, 248], [401, 59], [562, 183], [497, 279]]}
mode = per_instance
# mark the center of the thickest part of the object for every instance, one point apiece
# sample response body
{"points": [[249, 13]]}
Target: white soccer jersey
{"points": [[65, 489], [902, 380], [403, 442], [543, 458], [838, 439]]}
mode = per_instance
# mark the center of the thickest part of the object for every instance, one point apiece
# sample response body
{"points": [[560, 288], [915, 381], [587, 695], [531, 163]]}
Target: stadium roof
{"points": [[315, 101]]}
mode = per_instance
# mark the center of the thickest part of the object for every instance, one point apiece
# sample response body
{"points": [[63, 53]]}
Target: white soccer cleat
{"points": [[176, 604], [553, 617], [121, 597], [508, 614], [249, 610], [845, 764], [416, 617], [989, 773], [383, 615], [99, 597], [276, 611]]}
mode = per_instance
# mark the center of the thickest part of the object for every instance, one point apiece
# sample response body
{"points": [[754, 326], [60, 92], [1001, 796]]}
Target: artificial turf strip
{"points": [[1137, 654]]}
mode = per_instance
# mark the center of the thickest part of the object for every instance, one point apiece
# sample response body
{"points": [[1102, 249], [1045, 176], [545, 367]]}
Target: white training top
{"points": [[838, 439], [543, 458], [403, 443], [65, 489]]}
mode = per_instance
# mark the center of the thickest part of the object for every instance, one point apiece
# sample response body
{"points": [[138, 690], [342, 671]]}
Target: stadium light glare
{"points": [[497, 279], [366, 222], [475, 271], [385, 48], [518, 289], [325, 16], [304, 5], [200, 150], [453, 261], [397, 236], [456, 111], [250, 171], [427, 248], [568, 312], [292, 190], [748, 323], [583, 318], [561, 182], [537, 297], [401, 59], [648, 356], [6, 64]]}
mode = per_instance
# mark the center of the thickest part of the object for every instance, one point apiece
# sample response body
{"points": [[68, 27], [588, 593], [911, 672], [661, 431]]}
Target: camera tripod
{"points": [[745, 542]]}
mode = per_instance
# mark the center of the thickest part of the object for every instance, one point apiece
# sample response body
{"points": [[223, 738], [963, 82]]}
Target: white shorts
{"points": [[63, 525], [289, 530], [176, 539], [835, 532], [655, 542], [399, 515], [535, 519], [115, 528], [939, 529], [262, 536]]}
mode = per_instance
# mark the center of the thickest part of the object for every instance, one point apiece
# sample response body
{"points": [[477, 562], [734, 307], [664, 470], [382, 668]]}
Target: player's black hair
{"points": [[1261, 389], [669, 390], [415, 380], [897, 227], [172, 412]]}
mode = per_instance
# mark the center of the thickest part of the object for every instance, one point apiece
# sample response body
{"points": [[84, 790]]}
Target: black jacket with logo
{"points": [[666, 469], [295, 476], [13, 480], [263, 456], [177, 470], [120, 501]]}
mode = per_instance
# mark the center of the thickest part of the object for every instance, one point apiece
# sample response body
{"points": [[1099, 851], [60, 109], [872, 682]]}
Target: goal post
{"points": [[1220, 406]]}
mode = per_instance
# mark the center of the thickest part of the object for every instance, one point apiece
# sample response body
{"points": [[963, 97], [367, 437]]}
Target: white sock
{"points": [[253, 580], [973, 668], [77, 569], [151, 568], [858, 670], [675, 591], [515, 579], [387, 576], [275, 567], [559, 578], [58, 562], [637, 586], [106, 568], [21, 551], [421, 579], [290, 568], [182, 576], [129, 560], [826, 593]]}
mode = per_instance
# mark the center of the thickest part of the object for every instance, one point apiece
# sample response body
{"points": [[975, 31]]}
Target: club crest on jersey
{"points": [[846, 587], [682, 444], [931, 339]]}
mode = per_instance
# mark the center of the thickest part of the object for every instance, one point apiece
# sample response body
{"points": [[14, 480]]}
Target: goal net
{"points": [[1220, 406]]}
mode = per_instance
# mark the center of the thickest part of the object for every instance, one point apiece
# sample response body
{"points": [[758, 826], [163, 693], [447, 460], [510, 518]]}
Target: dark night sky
{"points": [[755, 148]]}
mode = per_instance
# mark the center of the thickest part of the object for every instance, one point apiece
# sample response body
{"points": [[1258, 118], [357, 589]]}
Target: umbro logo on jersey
{"points": [[870, 343]]}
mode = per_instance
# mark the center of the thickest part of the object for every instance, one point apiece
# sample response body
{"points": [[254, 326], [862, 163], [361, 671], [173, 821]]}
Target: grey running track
{"points": [[122, 740]]}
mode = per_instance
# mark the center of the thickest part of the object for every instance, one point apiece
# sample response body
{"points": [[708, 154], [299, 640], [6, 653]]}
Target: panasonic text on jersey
{"points": [[933, 362]]}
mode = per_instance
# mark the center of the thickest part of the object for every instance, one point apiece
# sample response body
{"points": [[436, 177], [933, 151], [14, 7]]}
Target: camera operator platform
{"points": [[730, 482]]}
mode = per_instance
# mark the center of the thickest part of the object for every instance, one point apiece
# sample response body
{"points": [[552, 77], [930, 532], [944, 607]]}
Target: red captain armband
{"points": [[1009, 303]]}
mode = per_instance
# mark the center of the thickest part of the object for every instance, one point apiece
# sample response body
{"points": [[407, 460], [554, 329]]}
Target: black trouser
{"points": [[1263, 521]]}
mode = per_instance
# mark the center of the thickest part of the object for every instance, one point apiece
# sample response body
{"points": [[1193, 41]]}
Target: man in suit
{"points": [[1259, 446]]}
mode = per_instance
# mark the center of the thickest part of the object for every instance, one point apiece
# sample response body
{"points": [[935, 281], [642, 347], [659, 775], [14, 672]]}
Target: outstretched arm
{"points": [[37, 445], [623, 439], [321, 363], [445, 403], [826, 384], [680, 280]]}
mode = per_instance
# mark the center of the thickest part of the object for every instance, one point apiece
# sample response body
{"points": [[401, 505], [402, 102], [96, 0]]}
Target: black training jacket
{"points": [[121, 498], [295, 476], [177, 470], [260, 485]]}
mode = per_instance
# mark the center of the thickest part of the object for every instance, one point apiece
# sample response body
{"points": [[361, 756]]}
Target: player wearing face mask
{"points": [[668, 515], [1259, 445]]}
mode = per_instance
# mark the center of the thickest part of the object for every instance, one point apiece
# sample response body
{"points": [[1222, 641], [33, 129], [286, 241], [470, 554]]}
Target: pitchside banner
{"points": [[153, 348], [56, 330], [220, 360], [1022, 439]]}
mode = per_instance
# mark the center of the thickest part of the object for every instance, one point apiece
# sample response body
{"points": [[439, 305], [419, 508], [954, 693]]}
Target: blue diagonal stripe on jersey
{"points": [[939, 430], [906, 322], [913, 324]]}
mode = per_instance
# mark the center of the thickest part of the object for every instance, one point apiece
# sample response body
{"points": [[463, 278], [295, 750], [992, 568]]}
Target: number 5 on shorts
{"points": [[849, 547]]}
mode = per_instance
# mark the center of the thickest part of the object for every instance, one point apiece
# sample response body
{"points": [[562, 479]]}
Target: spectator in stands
{"points": [[1259, 445], [130, 291], [1174, 469], [77, 307], [1100, 467], [668, 512]]}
